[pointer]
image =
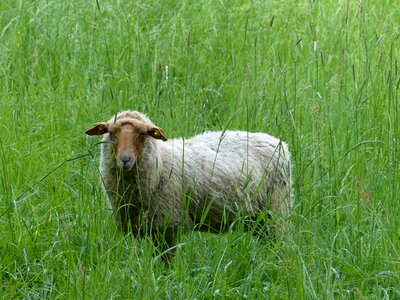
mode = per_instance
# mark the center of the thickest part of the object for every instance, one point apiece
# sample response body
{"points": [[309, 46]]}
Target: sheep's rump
{"points": [[223, 174]]}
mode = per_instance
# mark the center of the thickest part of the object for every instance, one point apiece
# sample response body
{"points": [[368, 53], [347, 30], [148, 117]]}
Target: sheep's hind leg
{"points": [[261, 227]]}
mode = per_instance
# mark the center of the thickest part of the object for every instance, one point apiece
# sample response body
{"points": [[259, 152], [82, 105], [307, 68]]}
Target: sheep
{"points": [[157, 187]]}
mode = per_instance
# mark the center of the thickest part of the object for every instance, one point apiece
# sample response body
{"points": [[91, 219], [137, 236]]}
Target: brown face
{"points": [[128, 144], [127, 138]]}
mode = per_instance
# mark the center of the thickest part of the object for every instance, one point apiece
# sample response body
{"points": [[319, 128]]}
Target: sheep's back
{"points": [[237, 152], [234, 168]]}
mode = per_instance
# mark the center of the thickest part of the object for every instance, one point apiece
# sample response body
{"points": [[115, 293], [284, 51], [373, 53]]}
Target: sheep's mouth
{"points": [[128, 168]]}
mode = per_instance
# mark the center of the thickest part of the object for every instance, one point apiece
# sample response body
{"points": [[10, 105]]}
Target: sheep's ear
{"points": [[98, 129], [156, 133]]}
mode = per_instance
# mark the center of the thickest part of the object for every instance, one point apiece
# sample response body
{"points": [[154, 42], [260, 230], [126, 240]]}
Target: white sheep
{"points": [[156, 186]]}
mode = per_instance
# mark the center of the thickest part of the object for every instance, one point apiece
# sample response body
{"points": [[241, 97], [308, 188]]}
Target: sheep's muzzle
{"points": [[125, 160]]}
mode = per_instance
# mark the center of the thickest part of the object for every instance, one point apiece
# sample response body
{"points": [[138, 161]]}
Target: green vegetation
{"points": [[321, 75]]}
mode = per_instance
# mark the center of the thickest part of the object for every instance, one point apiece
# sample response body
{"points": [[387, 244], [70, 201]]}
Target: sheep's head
{"points": [[127, 137]]}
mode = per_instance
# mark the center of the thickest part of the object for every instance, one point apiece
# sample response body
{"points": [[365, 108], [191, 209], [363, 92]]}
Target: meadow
{"points": [[321, 75]]}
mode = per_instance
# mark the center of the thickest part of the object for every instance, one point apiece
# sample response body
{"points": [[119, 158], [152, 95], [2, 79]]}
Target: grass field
{"points": [[322, 75]]}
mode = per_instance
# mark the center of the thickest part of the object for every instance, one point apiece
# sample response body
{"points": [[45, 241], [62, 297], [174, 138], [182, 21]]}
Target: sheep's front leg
{"points": [[167, 229], [164, 239], [128, 218]]}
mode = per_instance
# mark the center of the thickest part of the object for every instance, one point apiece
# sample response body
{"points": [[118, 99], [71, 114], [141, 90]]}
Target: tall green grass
{"points": [[321, 75]]}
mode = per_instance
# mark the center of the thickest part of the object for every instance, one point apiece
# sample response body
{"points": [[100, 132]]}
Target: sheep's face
{"points": [[127, 139]]}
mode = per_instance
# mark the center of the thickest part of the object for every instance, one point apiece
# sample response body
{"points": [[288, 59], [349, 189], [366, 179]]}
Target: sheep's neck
{"points": [[135, 186]]}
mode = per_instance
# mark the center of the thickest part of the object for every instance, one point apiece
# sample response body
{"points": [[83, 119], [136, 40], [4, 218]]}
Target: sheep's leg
{"points": [[164, 239], [261, 226], [167, 229], [122, 216], [127, 219], [281, 206]]}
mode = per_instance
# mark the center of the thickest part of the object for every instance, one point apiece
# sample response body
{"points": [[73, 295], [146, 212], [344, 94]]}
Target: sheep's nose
{"points": [[125, 161]]}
